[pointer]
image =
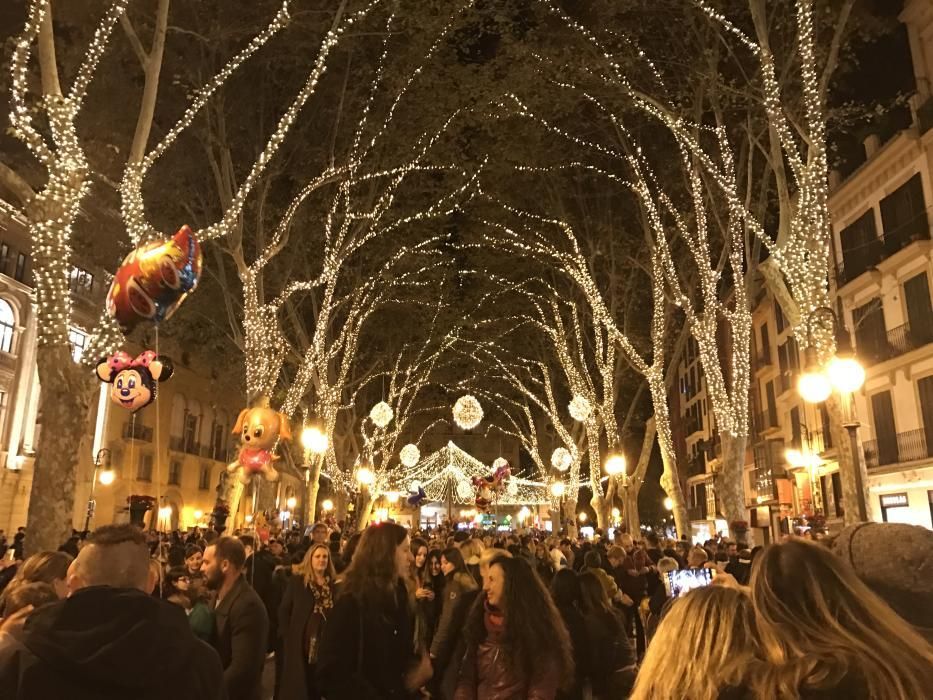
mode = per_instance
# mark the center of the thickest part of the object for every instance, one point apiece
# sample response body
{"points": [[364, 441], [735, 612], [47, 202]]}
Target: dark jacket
{"points": [[611, 652], [453, 614], [294, 614], [241, 628], [583, 655], [371, 668], [107, 643], [258, 572]]}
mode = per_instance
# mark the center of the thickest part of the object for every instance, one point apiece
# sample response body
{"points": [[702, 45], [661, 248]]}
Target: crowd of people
{"points": [[467, 615]]}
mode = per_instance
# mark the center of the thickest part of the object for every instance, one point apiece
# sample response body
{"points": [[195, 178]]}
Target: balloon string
{"points": [[158, 461]]}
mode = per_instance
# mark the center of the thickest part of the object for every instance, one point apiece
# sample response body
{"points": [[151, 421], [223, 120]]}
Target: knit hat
{"points": [[896, 562]]}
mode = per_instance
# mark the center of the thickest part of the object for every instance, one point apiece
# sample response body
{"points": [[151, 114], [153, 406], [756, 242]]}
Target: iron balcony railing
{"points": [[765, 420], [897, 341], [135, 431], [897, 449], [179, 444], [761, 485], [867, 256], [697, 512], [696, 466]]}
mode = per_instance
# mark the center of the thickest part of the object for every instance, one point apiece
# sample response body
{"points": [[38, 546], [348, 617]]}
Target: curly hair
{"points": [[534, 631]]}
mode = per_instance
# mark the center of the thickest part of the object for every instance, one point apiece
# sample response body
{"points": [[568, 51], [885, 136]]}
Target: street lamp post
{"points": [[844, 374], [314, 441], [106, 477]]}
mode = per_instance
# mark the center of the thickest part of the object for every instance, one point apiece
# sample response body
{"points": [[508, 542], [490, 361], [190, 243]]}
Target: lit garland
{"points": [[561, 459], [467, 412]]}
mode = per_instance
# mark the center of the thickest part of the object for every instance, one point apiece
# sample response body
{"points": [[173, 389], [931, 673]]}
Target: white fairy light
{"points": [[467, 412]]}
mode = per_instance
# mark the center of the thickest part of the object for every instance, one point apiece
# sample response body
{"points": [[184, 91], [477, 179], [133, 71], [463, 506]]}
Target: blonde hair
{"points": [[820, 626], [704, 644], [472, 547], [488, 554], [306, 571]]}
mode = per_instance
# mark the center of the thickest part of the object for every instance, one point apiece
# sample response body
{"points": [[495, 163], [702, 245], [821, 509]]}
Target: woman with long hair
{"points": [[565, 590], [423, 594], [369, 650], [460, 590], [703, 649], [516, 643], [42, 567], [303, 613], [613, 660], [824, 633]]}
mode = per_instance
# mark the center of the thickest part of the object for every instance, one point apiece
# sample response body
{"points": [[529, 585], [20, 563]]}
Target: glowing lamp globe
{"points": [[327, 506], [580, 408], [846, 374], [291, 502], [467, 412], [582, 517], [381, 414], [313, 440], [668, 503], [615, 465], [365, 476], [561, 459], [106, 477], [616, 513], [558, 489], [814, 386], [409, 456]]}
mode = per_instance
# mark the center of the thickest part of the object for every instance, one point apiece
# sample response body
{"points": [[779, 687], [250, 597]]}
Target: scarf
{"points": [[323, 598], [494, 621]]}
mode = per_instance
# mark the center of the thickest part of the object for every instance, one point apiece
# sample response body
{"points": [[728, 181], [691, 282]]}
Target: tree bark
{"points": [[67, 390], [730, 482], [314, 488], [849, 463], [365, 510]]}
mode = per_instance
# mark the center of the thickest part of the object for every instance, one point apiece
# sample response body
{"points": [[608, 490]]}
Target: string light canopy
{"points": [[409, 455], [580, 408], [381, 414], [467, 412], [561, 459]]}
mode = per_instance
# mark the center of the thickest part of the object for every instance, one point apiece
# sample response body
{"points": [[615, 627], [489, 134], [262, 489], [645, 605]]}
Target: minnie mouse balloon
{"points": [[154, 279], [134, 382]]}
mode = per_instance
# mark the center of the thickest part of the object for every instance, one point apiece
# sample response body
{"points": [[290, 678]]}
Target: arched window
{"points": [[7, 323]]}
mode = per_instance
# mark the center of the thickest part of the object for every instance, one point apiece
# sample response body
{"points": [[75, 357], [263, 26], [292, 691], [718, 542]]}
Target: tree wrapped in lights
{"points": [[782, 134], [47, 123]]}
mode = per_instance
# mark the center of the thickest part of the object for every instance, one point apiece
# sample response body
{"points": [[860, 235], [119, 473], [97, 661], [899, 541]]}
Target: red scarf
{"points": [[494, 620]]}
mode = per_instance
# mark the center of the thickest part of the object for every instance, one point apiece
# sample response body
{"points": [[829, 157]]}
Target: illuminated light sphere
{"points": [[467, 412], [106, 477], [500, 462], [582, 517], [291, 502], [381, 414], [414, 486], [615, 465], [561, 459], [580, 408], [327, 506], [464, 490], [668, 504], [365, 476], [558, 489], [313, 440], [511, 487], [616, 512], [409, 455], [814, 386], [846, 374]]}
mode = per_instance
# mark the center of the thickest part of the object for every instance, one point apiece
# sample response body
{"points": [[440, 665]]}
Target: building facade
{"points": [[174, 450]]}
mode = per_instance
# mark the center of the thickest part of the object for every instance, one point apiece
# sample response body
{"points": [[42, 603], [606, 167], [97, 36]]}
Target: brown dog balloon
{"points": [[260, 430]]}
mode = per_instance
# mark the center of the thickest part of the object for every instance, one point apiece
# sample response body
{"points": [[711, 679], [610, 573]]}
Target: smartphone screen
{"points": [[679, 582]]}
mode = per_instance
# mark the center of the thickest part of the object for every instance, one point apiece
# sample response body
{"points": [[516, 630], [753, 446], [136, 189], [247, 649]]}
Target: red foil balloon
{"points": [[154, 279]]}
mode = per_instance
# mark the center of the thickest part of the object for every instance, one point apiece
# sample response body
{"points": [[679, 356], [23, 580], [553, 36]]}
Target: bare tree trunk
{"points": [[67, 390], [314, 487], [730, 482], [365, 510], [637, 478], [570, 517]]}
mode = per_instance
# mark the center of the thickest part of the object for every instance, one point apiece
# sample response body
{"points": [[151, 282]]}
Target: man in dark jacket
{"points": [[258, 570], [109, 639], [241, 622]]}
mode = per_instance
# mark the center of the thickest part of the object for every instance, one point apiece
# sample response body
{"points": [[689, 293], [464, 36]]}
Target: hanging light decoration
{"points": [[511, 487], [561, 459], [580, 408], [464, 490], [381, 414], [467, 412], [409, 455]]}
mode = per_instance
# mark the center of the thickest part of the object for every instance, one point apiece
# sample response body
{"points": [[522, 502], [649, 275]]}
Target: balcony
{"points": [[765, 421], [696, 512], [820, 441], [787, 381], [763, 360], [897, 449], [188, 447], [693, 425], [760, 485], [895, 342], [135, 431], [695, 466], [878, 249]]}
